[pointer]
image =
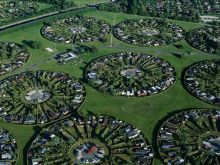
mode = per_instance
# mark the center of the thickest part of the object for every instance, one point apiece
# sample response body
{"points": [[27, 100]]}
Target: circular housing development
{"points": [[203, 80], [10, 10], [39, 97], [148, 32], [76, 29], [206, 39], [12, 56], [190, 137], [8, 150], [93, 140], [130, 74]]}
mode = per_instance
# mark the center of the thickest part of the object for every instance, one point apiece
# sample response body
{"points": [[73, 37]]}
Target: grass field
{"points": [[85, 2], [145, 112]]}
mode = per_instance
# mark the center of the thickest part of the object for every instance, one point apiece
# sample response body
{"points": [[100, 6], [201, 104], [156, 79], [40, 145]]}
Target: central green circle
{"points": [[88, 151], [130, 72], [148, 31], [37, 96], [77, 29]]}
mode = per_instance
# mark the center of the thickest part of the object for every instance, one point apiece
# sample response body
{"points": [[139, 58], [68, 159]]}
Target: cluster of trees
{"points": [[33, 44], [151, 8], [6, 51], [128, 6], [214, 23]]}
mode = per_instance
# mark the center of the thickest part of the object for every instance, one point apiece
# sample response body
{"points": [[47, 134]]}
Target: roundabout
{"points": [[190, 137], [203, 81], [76, 29], [12, 56], [206, 39], [130, 74], [148, 32], [39, 97], [94, 140]]}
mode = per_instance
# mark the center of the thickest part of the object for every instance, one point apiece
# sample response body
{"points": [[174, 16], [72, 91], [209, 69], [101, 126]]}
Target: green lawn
{"points": [[44, 6], [85, 2], [145, 112]]}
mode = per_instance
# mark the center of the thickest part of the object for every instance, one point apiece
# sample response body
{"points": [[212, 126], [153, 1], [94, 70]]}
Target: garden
{"points": [[38, 97], [12, 56], [130, 74], [203, 80], [9, 151], [190, 137], [76, 29], [91, 139], [148, 32], [206, 39]]}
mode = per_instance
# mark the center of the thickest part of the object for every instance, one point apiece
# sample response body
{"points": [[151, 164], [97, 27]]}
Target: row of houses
{"points": [[201, 80], [8, 148], [13, 56]]}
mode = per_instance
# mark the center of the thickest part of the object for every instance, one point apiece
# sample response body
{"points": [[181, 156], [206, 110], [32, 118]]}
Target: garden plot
{"points": [[92, 139], [12, 56], [148, 32], [206, 39], [203, 80], [130, 74], [8, 150], [190, 137], [76, 30], [10, 10], [39, 97]]}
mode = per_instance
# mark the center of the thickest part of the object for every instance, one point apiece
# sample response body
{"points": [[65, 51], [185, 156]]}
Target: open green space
{"points": [[143, 113], [85, 2]]}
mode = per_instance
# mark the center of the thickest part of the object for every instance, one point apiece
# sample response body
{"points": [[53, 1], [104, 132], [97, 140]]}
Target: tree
{"points": [[94, 49]]}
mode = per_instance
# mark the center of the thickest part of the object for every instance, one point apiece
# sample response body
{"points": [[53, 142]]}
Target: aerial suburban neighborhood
{"points": [[93, 139], [110, 82], [190, 137]]}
